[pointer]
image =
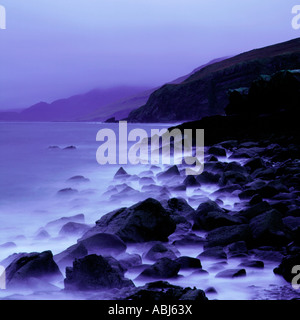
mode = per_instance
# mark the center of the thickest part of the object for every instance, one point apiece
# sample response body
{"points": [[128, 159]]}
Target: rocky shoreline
{"points": [[241, 214]]}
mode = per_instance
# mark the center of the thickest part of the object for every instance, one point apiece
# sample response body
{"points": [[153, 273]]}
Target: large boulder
{"points": [[144, 221], [163, 269], [159, 251], [94, 273], [179, 207], [32, 265], [226, 235], [268, 229]]}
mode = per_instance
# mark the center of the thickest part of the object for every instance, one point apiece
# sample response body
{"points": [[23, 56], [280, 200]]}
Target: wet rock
{"points": [[159, 251], [169, 173], [129, 260], [78, 179], [70, 148], [103, 243], [142, 222], [67, 191], [237, 249], [203, 209], [73, 228], [215, 253], [163, 269], [268, 229], [231, 273], [60, 222], [94, 273], [208, 178], [67, 256], [226, 235], [217, 151], [189, 239], [255, 210], [286, 266], [42, 235], [190, 181], [179, 207], [146, 181], [32, 265], [189, 263], [233, 177], [252, 264], [121, 173], [211, 290], [256, 163]]}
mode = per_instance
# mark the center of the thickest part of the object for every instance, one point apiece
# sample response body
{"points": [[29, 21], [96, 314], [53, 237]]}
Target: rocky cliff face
{"points": [[204, 93]]}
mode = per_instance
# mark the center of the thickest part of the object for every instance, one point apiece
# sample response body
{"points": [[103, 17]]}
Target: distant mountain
{"points": [[204, 93], [76, 107], [95, 105]]}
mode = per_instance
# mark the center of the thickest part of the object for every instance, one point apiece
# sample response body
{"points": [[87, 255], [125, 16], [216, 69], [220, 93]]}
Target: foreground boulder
{"points": [[163, 269], [164, 291], [144, 221], [93, 273], [32, 265]]}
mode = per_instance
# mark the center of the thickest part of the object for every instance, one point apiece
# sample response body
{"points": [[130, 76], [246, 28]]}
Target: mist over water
{"points": [[34, 166]]}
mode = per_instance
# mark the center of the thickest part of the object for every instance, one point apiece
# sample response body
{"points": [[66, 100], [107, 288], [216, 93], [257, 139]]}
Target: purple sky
{"points": [[56, 48]]}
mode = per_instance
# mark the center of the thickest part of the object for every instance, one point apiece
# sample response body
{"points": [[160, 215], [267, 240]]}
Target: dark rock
{"points": [[203, 209], [265, 174], [268, 229], [212, 159], [169, 173], [67, 256], [60, 222], [227, 235], [94, 273], [252, 264], [256, 163], [255, 200], [246, 153], [208, 178], [70, 148], [42, 235], [189, 239], [286, 266], [211, 290], [233, 177], [190, 181], [237, 249], [217, 151], [73, 228], [103, 243], [144, 221], [162, 269], [247, 194], [255, 210], [121, 173], [32, 265], [188, 263], [129, 260], [215, 253], [179, 206], [78, 179], [67, 191], [159, 251], [266, 255], [291, 222], [231, 273]]}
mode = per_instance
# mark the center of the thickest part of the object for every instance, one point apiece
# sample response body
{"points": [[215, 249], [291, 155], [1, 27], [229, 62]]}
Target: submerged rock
{"points": [[231, 273]]}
